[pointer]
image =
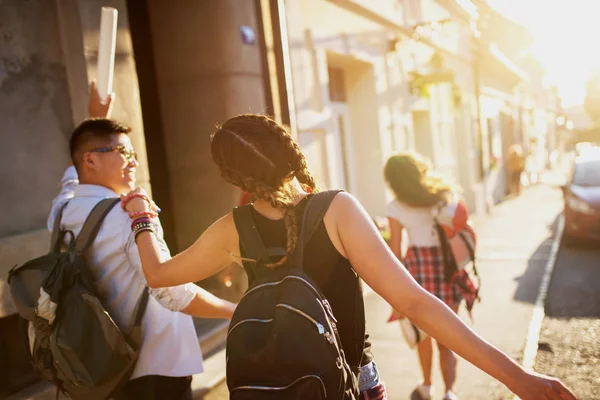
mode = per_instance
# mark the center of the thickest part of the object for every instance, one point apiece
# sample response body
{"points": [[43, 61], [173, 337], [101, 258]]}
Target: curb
{"points": [[535, 326]]}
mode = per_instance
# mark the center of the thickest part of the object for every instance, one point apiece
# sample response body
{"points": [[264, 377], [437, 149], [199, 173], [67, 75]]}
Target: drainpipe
{"points": [[278, 74]]}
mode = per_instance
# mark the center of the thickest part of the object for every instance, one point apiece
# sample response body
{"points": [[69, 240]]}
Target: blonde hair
{"points": [[409, 176]]}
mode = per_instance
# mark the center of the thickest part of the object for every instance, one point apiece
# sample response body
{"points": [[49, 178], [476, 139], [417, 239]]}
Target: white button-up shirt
{"points": [[170, 345]]}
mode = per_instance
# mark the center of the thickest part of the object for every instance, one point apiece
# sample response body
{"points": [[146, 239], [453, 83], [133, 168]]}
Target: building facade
{"points": [[374, 78]]}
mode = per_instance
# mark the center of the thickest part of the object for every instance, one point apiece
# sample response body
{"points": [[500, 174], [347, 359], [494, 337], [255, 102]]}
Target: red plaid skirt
{"points": [[426, 265]]}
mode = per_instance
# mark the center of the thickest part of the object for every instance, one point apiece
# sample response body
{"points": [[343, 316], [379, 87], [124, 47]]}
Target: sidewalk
{"points": [[514, 241]]}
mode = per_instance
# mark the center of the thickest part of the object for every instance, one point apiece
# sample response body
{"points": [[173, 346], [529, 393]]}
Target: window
{"points": [[337, 85]]}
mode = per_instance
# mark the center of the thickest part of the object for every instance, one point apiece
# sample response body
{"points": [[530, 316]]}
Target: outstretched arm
{"points": [[381, 270], [213, 251], [187, 298]]}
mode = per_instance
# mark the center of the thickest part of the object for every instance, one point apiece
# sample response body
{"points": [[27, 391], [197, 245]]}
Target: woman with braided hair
{"points": [[257, 155]]}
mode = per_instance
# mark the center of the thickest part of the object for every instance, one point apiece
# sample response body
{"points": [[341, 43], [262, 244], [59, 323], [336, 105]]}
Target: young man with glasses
{"points": [[104, 165]]}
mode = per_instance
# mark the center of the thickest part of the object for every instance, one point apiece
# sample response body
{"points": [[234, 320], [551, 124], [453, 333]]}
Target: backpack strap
{"points": [[249, 236], [251, 241], [93, 223], [134, 335], [57, 235], [314, 213], [84, 240]]}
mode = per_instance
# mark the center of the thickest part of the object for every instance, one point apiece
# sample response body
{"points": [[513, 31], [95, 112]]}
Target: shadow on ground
{"points": [[529, 282]]}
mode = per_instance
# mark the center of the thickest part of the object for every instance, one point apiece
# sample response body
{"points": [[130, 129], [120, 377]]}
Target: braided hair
{"points": [[256, 154]]}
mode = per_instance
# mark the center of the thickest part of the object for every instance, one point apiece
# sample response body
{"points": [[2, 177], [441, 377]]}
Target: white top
{"points": [[417, 221], [170, 345]]}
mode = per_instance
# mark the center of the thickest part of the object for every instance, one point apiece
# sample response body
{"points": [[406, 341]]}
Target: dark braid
{"points": [[298, 159], [272, 170]]}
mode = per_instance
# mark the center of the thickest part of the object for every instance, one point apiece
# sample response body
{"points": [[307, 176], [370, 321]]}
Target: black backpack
{"points": [[283, 341], [81, 351]]}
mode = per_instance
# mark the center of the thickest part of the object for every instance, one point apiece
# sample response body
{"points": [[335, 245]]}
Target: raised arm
{"points": [[68, 183], [357, 238], [70, 179]]}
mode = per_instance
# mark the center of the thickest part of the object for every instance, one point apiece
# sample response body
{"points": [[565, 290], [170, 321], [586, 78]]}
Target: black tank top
{"points": [[335, 277]]}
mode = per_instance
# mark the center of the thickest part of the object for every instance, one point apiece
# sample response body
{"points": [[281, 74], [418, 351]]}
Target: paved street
{"points": [[570, 338]]}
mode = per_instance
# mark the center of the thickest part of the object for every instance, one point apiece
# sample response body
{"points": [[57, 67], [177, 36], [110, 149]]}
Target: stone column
{"points": [[205, 73]]}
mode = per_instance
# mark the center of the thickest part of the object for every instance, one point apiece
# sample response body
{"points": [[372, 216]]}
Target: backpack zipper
{"points": [[249, 320], [277, 388], [321, 301], [319, 326]]}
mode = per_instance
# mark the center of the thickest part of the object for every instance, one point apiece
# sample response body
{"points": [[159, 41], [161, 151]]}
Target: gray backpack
{"points": [[74, 343]]}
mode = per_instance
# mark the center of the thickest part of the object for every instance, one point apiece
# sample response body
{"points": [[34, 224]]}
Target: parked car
{"points": [[582, 200]]}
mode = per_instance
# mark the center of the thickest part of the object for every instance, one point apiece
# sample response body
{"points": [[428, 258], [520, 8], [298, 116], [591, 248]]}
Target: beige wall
{"points": [[322, 34]]}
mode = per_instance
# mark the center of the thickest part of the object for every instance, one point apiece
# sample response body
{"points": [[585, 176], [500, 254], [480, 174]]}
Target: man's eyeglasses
{"points": [[129, 154]]}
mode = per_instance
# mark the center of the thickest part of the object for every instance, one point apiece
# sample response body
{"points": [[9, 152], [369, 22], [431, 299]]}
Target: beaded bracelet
{"points": [[135, 234], [131, 196], [140, 220], [141, 223], [140, 214], [141, 227]]}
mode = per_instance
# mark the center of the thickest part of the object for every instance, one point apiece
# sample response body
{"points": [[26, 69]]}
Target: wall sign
{"points": [[248, 35]]}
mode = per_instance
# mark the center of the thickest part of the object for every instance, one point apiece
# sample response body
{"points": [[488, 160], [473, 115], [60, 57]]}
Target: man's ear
{"points": [[90, 161]]}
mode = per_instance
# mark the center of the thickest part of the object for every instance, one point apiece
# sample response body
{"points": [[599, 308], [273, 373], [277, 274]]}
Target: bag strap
{"points": [[250, 238], [56, 232], [252, 242], [135, 333], [93, 223], [314, 213], [449, 263]]}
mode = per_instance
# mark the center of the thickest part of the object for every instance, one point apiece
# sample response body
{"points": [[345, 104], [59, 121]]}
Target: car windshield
{"points": [[587, 173]]}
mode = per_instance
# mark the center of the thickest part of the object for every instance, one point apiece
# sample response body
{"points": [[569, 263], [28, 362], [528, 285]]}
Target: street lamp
{"points": [[569, 125]]}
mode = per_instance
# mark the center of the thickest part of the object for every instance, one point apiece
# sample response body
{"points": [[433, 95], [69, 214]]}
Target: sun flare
{"points": [[564, 32]]}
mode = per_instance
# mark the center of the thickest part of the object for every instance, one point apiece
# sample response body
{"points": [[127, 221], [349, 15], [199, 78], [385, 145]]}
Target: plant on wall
{"points": [[418, 86]]}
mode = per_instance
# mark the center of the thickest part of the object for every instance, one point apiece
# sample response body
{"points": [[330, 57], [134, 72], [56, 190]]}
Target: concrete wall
{"points": [[48, 51], [204, 74], [35, 111], [35, 115]]}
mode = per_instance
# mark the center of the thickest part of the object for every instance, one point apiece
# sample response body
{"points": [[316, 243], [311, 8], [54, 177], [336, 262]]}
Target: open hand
{"points": [[534, 386], [96, 108]]}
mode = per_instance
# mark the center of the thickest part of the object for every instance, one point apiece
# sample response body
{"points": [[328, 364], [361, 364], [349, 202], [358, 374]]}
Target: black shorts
{"points": [[157, 387]]}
